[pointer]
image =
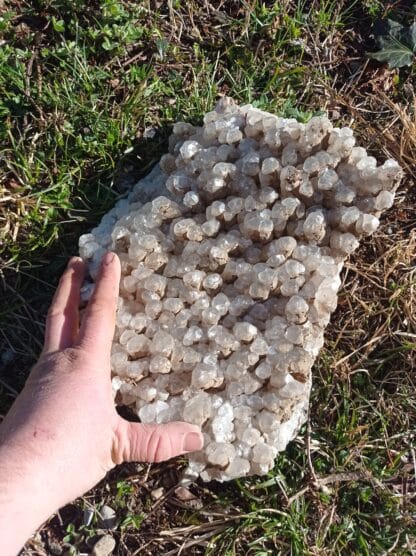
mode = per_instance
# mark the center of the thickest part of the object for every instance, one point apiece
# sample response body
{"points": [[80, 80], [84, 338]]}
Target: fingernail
{"points": [[193, 441], [74, 261], [108, 258]]}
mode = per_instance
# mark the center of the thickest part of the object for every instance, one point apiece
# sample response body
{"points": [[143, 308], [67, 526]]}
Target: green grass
{"points": [[88, 93], [80, 86]]}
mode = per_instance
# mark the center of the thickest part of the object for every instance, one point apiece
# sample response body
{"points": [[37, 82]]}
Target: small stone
{"points": [[104, 546], [157, 493], [107, 517], [184, 494]]}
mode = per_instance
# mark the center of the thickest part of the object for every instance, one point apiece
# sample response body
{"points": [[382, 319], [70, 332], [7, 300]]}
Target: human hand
{"points": [[63, 432]]}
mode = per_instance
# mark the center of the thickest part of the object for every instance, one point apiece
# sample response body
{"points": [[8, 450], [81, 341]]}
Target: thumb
{"points": [[155, 443]]}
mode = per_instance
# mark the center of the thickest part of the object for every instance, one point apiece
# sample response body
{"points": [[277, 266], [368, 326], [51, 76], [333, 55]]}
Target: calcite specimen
{"points": [[231, 252]]}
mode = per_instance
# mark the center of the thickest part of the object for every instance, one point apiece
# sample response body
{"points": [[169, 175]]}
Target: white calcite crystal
{"points": [[231, 252]]}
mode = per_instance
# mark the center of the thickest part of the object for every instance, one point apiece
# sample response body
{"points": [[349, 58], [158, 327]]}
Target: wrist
{"points": [[26, 500]]}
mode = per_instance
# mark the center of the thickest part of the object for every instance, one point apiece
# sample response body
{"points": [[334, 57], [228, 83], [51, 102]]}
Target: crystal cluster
{"points": [[230, 274]]}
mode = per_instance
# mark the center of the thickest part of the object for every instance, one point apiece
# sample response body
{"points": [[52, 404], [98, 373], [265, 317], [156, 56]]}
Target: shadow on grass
{"points": [[27, 289]]}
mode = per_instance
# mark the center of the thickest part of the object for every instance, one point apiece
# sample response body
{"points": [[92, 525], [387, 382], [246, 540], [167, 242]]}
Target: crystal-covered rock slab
{"points": [[231, 251]]}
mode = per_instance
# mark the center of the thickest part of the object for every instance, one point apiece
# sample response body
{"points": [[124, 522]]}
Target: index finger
{"points": [[62, 321], [97, 328]]}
